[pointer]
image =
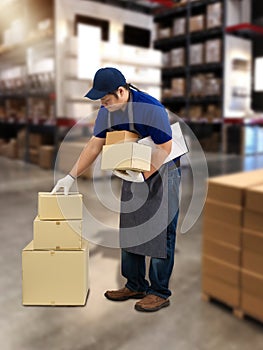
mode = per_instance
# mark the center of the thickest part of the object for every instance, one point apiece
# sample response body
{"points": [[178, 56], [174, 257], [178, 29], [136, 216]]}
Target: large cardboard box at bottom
{"points": [[252, 294], [126, 156], [55, 277], [52, 234], [59, 206]]}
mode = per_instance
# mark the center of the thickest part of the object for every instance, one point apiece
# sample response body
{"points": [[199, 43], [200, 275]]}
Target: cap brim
{"points": [[94, 94]]}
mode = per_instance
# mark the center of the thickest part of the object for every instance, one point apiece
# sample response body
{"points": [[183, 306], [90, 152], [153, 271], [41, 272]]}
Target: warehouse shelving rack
{"points": [[27, 87], [203, 128]]}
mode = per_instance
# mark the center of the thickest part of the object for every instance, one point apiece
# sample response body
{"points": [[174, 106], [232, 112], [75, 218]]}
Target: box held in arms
{"points": [[124, 156], [59, 206], [55, 277], [53, 234]]}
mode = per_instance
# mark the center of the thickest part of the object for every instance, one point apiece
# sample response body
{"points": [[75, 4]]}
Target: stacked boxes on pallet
{"points": [[55, 263], [252, 254], [222, 235]]}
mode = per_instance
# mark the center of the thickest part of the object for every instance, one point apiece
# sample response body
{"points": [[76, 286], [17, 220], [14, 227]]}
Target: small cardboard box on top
{"points": [[59, 206], [120, 136], [55, 277]]}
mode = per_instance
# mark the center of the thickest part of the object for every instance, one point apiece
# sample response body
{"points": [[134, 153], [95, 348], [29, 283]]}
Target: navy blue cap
{"points": [[106, 80]]}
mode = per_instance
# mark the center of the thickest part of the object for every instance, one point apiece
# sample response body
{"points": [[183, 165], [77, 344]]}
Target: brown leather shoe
{"points": [[151, 303], [123, 294]]}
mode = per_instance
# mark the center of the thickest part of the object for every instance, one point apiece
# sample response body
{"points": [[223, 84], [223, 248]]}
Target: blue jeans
{"points": [[133, 266]]}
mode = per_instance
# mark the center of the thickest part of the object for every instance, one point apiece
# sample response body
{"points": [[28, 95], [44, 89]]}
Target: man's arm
{"points": [[87, 156], [161, 152]]}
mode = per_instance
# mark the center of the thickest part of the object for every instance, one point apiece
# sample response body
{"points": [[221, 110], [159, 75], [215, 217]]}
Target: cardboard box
{"points": [[179, 26], [254, 199], [196, 23], [125, 156], [198, 85], [252, 293], [230, 189], [221, 270], [55, 277], [252, 283], [114, 137], [46, 156], [222, 291], [212, 85], [214, 15], [177, 57], [229, 214], [252, 305], [163, 32], [222, 251], [220, 231], [12, 150], [195, 113], [33, 155], [35, 140], [253, 220], [59, 206], [197, 54], [253, 240], [52, 235], [252, 261], [178, 87], [213, 51]]}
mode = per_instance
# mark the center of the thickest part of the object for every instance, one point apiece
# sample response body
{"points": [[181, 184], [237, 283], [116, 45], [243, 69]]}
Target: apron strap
{"points": [[130, 116]]}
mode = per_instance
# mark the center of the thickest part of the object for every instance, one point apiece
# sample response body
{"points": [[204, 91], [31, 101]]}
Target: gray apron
{"points": [[144, 209]]}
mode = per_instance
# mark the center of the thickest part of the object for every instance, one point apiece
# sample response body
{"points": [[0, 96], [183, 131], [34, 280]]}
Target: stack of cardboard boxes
{"points": [[55, 263], [227, 245], [122, 152]]}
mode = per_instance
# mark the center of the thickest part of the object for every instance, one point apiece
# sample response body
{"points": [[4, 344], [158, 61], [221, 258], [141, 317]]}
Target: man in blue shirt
{"points": [[126, 108]]}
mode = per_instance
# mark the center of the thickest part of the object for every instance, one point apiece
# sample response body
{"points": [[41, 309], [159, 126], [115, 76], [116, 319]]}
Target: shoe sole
{"points": [[140, 308], [138, 296]]}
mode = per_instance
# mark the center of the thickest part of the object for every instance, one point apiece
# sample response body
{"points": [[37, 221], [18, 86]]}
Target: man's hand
{"points": [[129, 175], [66, 183]]}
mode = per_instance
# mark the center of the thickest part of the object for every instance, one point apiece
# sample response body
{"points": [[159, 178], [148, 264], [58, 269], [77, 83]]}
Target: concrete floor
{"points": [[188, 324]]}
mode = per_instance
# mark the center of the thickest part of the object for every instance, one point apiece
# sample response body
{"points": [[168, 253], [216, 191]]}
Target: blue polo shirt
{"points": [[150, 119]]}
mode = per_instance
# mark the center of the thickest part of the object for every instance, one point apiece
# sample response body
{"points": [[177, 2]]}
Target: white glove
{"points": [[129, 175], [66, 182]]}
